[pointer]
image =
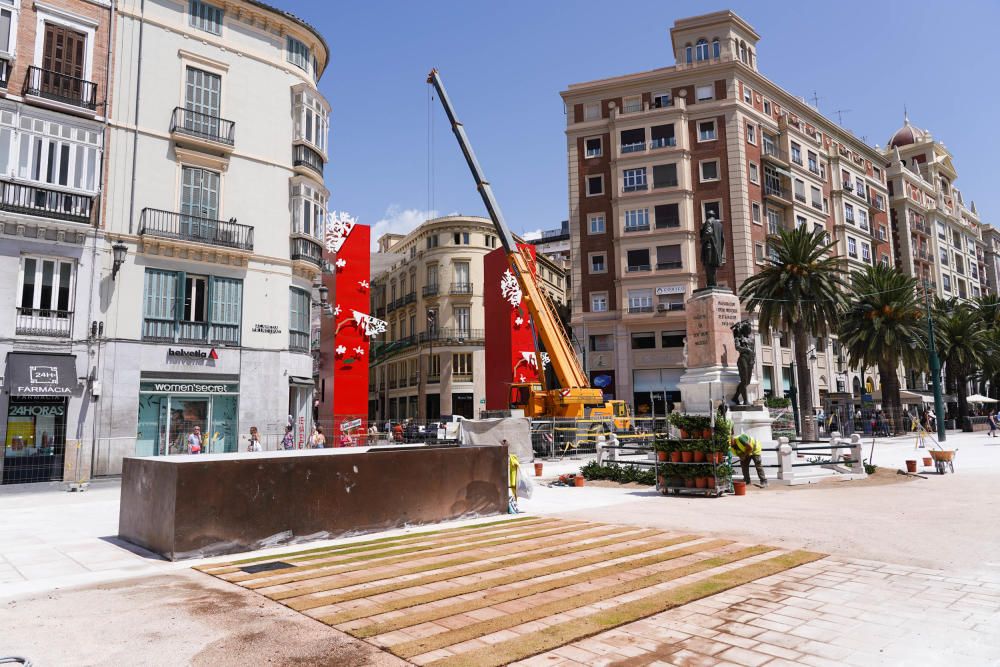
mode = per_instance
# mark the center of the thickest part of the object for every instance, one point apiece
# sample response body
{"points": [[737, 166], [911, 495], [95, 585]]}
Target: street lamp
{"points": [[118, 251], [935, 364]]}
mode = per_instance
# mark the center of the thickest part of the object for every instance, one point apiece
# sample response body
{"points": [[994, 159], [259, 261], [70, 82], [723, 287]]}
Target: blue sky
{"points": [[504, 64]]}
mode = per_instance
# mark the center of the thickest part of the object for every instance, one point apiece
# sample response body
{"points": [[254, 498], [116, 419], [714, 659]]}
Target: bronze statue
{"points": [[743, 338], [713, 248]]}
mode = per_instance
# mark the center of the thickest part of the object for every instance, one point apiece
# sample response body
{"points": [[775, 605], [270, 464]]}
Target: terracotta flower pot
{"points": [[700, 482], [661, 456], [707, 434], [538, 470], [684, 434], [716, 457], [675, 457], [689, 482], [710, 482], [578, 480], [911, 466], [699, 456], [686, 456], [928, 462], [739, 488]]}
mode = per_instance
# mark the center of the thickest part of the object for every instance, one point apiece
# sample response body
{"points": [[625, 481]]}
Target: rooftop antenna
{"points": [[815, 99], [840, 115]]}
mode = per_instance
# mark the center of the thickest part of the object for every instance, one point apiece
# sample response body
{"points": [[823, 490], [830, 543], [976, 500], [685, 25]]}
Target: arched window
{"points": [[701, 49], [743, 52], [687, 54], [716, 48], [750, 57]]}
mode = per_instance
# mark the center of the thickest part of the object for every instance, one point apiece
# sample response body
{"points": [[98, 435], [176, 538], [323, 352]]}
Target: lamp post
{"points": [[935, 364], [118, 252], [431, 332]]}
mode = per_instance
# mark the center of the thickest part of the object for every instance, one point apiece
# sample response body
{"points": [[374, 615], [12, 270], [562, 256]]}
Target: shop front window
{"points": [[35, 440], [170, 411]]}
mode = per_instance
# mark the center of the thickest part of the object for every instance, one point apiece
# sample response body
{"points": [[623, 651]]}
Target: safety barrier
{"points": [[843, 456]]}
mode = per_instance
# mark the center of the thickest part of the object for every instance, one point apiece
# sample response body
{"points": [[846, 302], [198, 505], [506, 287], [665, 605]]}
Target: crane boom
{"points": [[561, 353]]}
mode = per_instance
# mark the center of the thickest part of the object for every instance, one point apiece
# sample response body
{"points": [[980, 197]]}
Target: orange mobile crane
{"points": [[574, 397]]}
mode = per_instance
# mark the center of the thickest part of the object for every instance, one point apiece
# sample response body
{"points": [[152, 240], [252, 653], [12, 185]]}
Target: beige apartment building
{"points": [[991, 255], [430, 361], [938, 238], [653, 154]]}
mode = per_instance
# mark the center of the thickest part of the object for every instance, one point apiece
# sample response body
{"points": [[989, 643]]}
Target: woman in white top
{"points": [[318, 439], [254, 444]]}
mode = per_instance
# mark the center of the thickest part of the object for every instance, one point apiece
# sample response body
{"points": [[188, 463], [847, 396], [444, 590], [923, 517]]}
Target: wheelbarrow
{"points": [[944, 460]]}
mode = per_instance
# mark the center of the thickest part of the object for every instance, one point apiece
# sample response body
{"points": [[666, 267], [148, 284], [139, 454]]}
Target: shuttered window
{"points": [[298, 319], [206, 17], [298, 53], [206, 309]]}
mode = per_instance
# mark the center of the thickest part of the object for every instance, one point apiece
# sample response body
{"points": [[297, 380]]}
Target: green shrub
{"points": [[615, 472]]}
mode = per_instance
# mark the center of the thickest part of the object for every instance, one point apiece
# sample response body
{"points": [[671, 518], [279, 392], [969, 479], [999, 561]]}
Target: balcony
{"points": [[62, 88], [637, 228], [183, 227], [461, 288], [434, 378], [632, 310], [44, 202], [304, 156], [458, 336], [636, 147], [171, 331], [638, 187], [773, 153], [39, 322], [800, 197], [307, 250], [818, 205], [430, 290], [636, 268], [202, 128], [921, 227], [777, 193], [663, 142], [409, 297], [666, 266], [461, 377]]}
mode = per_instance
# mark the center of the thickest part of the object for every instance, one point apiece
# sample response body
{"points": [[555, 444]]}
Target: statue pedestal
{"points": [[754, 420], [711, 373]]}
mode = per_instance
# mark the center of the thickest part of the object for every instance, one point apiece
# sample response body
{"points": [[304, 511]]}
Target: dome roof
{"points": [[906, 135]]}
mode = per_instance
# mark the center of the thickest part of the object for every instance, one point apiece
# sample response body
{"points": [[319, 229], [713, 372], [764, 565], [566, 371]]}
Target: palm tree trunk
{"points": [[892, 404], [962, 383], [804, 382]]}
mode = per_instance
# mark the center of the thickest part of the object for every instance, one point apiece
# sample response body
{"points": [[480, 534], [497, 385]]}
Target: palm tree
{"points": [[963, 347], [988, 307], [883, 326], [801, 291]]}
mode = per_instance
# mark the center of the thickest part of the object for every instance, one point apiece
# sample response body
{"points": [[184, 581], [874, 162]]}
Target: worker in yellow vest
{"points": [[746, 448]]}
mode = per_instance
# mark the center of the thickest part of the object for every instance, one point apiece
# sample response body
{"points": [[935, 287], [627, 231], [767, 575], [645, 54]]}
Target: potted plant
{"points": [[680, 422], [699, 450]]}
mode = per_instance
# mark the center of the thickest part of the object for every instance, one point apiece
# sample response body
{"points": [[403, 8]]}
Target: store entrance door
{"points": [[36, 440]]}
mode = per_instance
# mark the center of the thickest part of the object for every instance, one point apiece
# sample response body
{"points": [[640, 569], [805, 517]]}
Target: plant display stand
{"points": [[698, 460]]}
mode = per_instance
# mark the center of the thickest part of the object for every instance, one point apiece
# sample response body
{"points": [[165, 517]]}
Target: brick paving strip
{"points": [[218, 569], [529, 644]]}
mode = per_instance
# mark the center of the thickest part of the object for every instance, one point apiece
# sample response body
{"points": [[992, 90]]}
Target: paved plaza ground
{"points": [[907, 573]]}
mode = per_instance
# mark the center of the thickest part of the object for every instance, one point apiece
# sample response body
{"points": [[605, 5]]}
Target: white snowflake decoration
{"points": [[363, 283], [340, 349], [510, 289], [359, 351], [371, 326], [338, 228], [545, 359], [519, 320], [341, 263], [521, 378], [336, 310], [533, 360]]}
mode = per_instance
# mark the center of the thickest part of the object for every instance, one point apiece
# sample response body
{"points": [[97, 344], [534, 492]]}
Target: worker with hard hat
{"points": [[747, 448]]}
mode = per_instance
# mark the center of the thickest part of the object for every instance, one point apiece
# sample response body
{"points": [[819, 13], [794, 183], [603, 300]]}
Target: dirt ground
{"points": [[186, 618]]}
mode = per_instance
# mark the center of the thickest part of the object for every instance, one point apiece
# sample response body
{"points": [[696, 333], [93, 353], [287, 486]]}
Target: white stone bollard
{"points": [[612, 444], [858, 467], [786, 472]]}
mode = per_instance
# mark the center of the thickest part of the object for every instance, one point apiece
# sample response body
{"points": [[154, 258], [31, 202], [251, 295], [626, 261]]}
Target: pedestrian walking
{"points": [[253, 444], [372, 434], [994, 421], [194, 441], [318, 440], [747, 449], [288, 440]]}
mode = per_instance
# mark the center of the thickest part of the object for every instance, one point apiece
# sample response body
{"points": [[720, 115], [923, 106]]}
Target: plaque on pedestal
{"points": [[711, 373]]}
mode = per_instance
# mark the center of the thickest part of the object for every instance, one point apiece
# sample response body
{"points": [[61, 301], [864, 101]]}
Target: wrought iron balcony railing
{"points": [[60, 88], [457, 336], [37, 200], [184, 227], [307, 250], [461, 288], [304, 156], [41, 322], [203, 126]]}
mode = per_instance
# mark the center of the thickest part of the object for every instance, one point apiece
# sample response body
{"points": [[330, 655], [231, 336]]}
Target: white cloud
{"points": [[398, 220], [531, 236]]}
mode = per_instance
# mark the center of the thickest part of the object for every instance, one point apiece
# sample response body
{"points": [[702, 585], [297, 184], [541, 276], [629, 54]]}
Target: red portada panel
{"points": [[510, 345], [350, 302]]}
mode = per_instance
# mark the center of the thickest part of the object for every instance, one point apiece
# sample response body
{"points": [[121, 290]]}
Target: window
{"points": [[800, 190], [637, 220], [192, 308], [755, 212], [747, 94], [816, 197], [7, 22], [751, 134], [432, 241], [297, 53], [711, 209], [596, 221], [773, 221], [591, 111], [667, 216], [312, 120], [662, 136], [598, 263], [432, 276], [863, 219], [701, 49], [941, 231], [668, 257], [460, 238], [946, 282], [849, 213], [490, 241], [199, 198], [595, 185], [298, 319], [665, 175], [593, 147], [461, 274], [716, 49], [704, 93], [672, 338], [943, 255], [959, 264], [308, 210], [638, 260], [51, 152], [634, 179], [866, 252], [645, 340], [598, 302], [45, 296], [706, 130], [800, 221], [852, 247], [767, 107], [632, 104], [754, 173], [813, 162], [640, 301], [461, 366], [602, 343], [688, 54], [796, 153], [205, 17], [709, 170], [758, 253], [434, 366], [661, 100]]}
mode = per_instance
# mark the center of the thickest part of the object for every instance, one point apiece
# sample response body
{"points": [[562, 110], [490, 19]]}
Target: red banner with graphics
{"points": [[350, 341]]}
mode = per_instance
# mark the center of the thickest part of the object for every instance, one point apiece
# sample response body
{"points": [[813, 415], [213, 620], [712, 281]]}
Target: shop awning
{"points": [[297, 381], [40, 374]]}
